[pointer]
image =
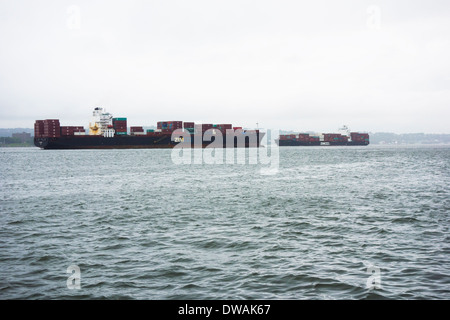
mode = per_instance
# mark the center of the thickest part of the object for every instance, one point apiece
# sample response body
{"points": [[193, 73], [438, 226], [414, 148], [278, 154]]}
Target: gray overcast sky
{"points": [[298, 65]]}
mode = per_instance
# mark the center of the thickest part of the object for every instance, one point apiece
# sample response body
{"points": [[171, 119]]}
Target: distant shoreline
{"points": [[13, 145]]}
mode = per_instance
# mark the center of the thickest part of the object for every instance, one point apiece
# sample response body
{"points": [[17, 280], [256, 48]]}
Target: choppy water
{"points": [[139, 226]]}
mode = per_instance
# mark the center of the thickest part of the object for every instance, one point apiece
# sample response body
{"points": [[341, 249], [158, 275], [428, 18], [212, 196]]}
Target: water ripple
{"points": [[140, 227]]}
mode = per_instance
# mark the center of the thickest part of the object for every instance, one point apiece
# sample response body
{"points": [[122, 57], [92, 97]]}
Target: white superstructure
{"points": [[100, 122], [345, 131]]}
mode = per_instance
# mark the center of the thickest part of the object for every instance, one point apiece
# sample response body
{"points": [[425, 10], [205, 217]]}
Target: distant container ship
{"points": [[107, 132], [325, 139]]}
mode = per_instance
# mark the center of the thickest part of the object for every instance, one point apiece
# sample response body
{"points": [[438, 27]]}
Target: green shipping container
{"points": [[150, 130], [120, 119], [121, 133]]}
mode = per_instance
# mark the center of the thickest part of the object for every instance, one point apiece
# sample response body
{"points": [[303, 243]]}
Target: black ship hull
{"points": [[294, 143], [140, 142]]}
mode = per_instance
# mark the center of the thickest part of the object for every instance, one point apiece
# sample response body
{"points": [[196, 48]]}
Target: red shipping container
{"points": [[203, 127], [225, 126], [136, 129], [39, 128]]}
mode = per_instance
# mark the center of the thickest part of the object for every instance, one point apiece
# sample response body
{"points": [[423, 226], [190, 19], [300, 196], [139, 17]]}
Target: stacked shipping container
{"points": [[135, 131], [334, 137], [120, 126], [39, 129], [201, 128], [287, 136], [359, 137], [224, 127], [52, 128], [189, 126], [70, 131], [169, 126], [303, 137]]}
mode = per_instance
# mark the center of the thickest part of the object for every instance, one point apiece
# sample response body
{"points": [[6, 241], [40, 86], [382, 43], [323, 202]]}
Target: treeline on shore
{"points": [[16, 142]]}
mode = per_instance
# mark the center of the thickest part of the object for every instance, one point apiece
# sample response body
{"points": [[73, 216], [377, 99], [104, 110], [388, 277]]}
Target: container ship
{"points": [[346, 138], [107, 132]]}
